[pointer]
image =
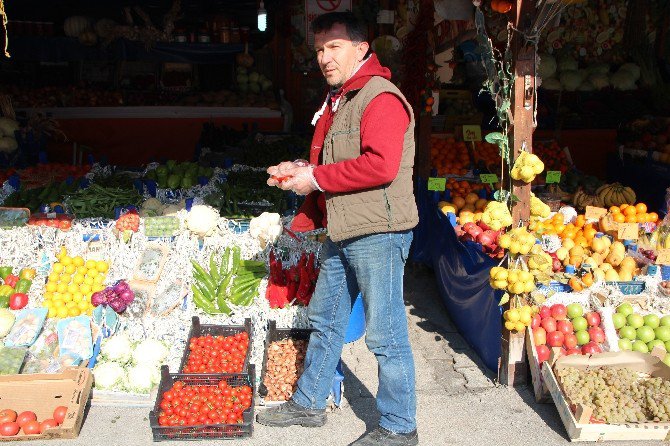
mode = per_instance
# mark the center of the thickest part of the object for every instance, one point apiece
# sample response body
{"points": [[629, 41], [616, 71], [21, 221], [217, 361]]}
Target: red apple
{"points": [[545, 312], [559, 312], [543, 353], [593, 319], [549, 324], [597, 335], [555, 339], [570, 341], [590, 349], [556, 265], [565, 326], [535, 322], [573, 351], [539, 336]]}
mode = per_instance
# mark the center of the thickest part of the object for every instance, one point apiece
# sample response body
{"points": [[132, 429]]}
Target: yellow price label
{"points": [[594, 213], [472, 133], [663, 257], [628, 231], [437, 184]]}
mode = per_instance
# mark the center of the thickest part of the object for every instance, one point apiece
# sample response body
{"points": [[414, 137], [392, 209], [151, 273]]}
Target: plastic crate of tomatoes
{"points": [[217, 348], [53, 220], [196, 407]]}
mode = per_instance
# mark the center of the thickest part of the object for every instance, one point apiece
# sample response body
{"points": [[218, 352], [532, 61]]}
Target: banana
{"points": [[629, 194]]}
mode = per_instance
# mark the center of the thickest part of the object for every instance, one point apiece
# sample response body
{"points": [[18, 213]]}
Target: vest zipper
{"points": [[388, 207]]}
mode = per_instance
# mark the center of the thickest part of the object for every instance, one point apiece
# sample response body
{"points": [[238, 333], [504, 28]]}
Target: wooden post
{"points": [[422, 134], [513, 370]]}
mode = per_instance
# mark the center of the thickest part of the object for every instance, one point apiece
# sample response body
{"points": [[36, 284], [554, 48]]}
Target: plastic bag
{"points": [[11, 360], [44, 350], [27, 327], [75, 337]]}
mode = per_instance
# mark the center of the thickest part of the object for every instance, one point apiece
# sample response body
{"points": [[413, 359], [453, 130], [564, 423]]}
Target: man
{"points": [[359, 185]]}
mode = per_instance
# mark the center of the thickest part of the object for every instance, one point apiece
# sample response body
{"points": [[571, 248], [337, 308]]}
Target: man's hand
{"points": [[277, 173], [300, 180]]}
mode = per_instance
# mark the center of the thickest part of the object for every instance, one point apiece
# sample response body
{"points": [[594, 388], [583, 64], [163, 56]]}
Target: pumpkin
{"points": [[75, 25]]}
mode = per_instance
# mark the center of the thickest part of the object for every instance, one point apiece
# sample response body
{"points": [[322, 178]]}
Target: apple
{"points": [[645, 334], [539, 336], [579, 323], [582, 337], [625, 308], [535, 322], [597, 335], [590, 349], [625, 344], [651, 320], [575, 310], [573, 351], [549, 324], [665, 321], [656, 343], [639, 346], [555, 339], [543, 353], [627, 332], [593, 319], [635, 320], [667, 346], [570, 341], [619, 320], [662, 333], [565, 326], [666, 359], [545, 312], [559, 312]]}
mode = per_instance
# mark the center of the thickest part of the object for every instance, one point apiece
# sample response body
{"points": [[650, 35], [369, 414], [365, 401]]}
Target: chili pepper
{"points": [[11, 280], [277, 295], [303, 288], [27, 273], [5, 271], [292, 290], [276, 270], [22, 286], [223, 268], [202, 302], [214, 270], [4, 301]]}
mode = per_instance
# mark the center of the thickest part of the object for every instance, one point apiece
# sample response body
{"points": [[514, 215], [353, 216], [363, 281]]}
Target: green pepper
{"points": [[5, 271], [6, 290], [22, 286], [174, 181], [161, 171], [4, 301]]}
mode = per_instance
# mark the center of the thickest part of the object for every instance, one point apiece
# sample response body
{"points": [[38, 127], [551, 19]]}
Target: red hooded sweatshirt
{"points": [[383, 127]]}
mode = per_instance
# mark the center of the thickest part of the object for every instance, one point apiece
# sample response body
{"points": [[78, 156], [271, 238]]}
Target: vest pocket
{"points": [[346, 145]]}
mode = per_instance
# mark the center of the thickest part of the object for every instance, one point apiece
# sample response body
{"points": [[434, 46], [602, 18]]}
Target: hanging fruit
{"points": [[501, 6]]}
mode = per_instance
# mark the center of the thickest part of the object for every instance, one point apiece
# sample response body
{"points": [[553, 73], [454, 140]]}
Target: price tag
{"points": [[594, 213], [663, 257], [437, 184], [488, 178], [472, 133], [627, 231], [553, 176]]}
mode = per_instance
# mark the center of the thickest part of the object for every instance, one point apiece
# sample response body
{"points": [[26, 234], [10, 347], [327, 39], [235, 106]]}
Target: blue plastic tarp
{"points": [[462, 275]]}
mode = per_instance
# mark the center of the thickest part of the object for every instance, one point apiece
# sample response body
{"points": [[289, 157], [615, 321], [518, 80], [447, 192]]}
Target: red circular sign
{"points": [[328, 5]]}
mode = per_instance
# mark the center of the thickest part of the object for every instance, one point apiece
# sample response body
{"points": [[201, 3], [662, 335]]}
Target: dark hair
{"points": [[356, 31]]}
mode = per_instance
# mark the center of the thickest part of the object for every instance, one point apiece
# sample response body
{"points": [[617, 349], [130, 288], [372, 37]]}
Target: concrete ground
{"points": [[458, 403]]}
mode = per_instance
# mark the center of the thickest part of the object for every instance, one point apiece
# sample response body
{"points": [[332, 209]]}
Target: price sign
{"points": [[594, 213], [553, 176], [437, 184], [488, 178], [472, 133], [663, 257], [627, 231]]}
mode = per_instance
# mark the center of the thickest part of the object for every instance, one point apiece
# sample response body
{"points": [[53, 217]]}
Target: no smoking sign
{"points": [[314, 8]]}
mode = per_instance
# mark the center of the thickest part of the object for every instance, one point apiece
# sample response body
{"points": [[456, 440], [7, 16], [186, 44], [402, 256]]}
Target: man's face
{"points": [[337, 54]]}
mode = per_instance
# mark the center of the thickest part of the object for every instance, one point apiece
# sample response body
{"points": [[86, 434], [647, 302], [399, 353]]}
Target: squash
{"points": [[75, 25]]}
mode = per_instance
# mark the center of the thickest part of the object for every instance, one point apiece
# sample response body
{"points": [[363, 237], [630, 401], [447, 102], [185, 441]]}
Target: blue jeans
{"points": [[374, 265]]}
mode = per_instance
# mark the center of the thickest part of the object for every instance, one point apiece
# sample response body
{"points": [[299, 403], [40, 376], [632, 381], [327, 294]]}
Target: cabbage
{"points": [[552, 84], [599, 81], [567, 63], [547, 66], [623, 80], [599, 68], [117, 348], [108, 375], [570, 79], [141, 378], [586, 86], [632, 69], [150, 351]]}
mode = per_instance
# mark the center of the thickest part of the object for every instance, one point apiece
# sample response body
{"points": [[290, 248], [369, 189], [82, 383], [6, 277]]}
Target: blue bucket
{"points": [[356, 327]]}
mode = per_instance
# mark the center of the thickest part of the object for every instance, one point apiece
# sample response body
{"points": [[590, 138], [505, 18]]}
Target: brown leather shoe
{"points": [[291, 413], [384, 437]]}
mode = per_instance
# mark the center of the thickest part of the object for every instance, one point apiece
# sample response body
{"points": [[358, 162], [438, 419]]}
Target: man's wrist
{"points": [[313, 178]]}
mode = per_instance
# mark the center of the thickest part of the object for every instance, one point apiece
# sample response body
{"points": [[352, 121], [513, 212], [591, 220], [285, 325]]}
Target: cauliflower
{"points": [[150, 351], [202, 220], [108, 375], [141, 378], [267, 228], [117, 348]]}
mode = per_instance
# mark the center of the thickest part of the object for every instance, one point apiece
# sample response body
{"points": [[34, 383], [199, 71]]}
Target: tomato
{"points": [[59, 414], [49, 423], [32, 428], [9, 429], [7, 415], [65, 225], [25, 417]]}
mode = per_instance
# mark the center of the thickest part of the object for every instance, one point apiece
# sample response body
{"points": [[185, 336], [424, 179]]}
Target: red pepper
{"points": [[277, 295], [18, 301], [280, 179], [11, 280], [304, 295]]}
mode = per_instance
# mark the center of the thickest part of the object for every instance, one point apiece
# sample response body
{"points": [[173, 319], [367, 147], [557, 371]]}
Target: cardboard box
{"points": [[581, 430], [42, 393], [539, 388]]}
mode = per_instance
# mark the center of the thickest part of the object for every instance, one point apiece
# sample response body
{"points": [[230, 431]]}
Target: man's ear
{"points": [[362, 50]]}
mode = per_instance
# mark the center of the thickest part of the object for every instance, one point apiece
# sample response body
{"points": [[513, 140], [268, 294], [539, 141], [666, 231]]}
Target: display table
{"points": [[132, 136]]}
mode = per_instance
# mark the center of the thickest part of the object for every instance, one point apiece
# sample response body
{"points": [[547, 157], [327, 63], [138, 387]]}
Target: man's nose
{"points": [[326, 57]]}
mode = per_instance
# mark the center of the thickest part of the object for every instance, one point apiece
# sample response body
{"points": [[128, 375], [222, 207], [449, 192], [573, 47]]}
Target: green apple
{"points": [[654, 343], [665, 321], [651, 320], [666, 359], [628, 332], [619, 320], [639, 346], [579, 324], [582, 337], [645, 334], [625, 344], [625, 309], [575, 310], [635, 320], [662, 333]]}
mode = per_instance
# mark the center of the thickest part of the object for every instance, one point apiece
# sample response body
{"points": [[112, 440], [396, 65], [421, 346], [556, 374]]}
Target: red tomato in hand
{"points": [[7, 415], [9, 429], [25, 417], [59, 414], [32, 428], [48, 424]]}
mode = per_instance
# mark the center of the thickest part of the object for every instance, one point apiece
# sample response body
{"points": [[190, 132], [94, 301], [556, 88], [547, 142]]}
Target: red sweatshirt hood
{"points": [[370, 67]]}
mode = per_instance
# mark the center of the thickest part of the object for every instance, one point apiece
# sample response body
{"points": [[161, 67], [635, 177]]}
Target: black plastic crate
{"points": [[278, 334], [198, 329], [208, 431]]}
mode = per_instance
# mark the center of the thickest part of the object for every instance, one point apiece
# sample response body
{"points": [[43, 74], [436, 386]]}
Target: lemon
{"points": [[62, 287], [83, 306], [57, 296], [70, 269], [58, 303], [74, 311], [85, 288], [52, 312], [90, 264], [62, 312], [54, 277], [51, 286], [48, 295], [102, 266], [89, 312], [64, 278], [57, 267], [62, 253], [97, 287], [47, 303], [99, 279], [66, 260], [78, 296], [82, 270], [78, 278], [513, 315], [70, 304], [88, 280], [78, 261]]}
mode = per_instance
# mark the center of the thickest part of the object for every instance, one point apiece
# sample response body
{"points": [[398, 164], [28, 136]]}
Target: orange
{"points": [[587, 279], [631, 218], [623, 206], [576, 284], [589, 233], [579, 222], [641, 208], [653, 217], [615, 209], [619, 218], [630, 210], [642, 218]]}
